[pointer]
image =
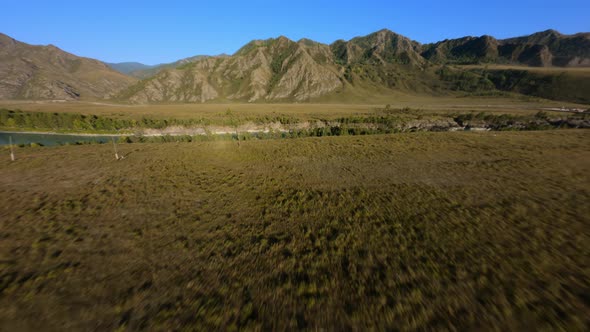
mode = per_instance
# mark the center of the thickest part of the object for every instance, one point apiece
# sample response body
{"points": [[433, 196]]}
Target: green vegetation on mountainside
{"points": [[563, 85]]}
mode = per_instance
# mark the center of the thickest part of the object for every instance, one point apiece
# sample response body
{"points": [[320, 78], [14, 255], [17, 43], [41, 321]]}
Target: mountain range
{"points": [[280, 69]]}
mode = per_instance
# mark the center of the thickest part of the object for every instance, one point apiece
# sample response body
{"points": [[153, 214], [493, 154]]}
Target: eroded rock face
{"points": [[176, 86], [276, 69], [305, 79]]}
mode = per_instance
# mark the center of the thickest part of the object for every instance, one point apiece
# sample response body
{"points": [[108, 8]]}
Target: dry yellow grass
{"points": [[421, 231], [299, 111]]}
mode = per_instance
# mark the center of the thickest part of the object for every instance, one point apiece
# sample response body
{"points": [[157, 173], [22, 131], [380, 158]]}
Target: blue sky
{"points": [[164, 31]]}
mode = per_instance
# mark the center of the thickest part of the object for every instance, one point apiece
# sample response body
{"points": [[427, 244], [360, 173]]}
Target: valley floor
{"points": [[305, 111], [456, 230]]}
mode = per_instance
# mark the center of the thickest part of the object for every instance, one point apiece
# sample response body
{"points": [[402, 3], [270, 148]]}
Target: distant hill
{"points": [[153, 70], [139, 70], [128, 67], [46, 72]]}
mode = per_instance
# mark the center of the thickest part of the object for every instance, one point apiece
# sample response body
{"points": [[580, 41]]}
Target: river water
{"points": [[50, 139]]}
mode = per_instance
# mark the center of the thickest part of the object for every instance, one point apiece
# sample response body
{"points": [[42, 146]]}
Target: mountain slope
{"points": [[273, 69], [558, 49], [542, 49], [46, 72]]}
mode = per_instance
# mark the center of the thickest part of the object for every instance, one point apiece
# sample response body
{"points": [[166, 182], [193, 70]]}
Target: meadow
{"points": [[215, 112], [407, 231]]}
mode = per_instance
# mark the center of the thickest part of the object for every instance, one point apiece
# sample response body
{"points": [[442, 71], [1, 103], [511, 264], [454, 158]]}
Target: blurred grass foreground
{"points": [[410, 231]]}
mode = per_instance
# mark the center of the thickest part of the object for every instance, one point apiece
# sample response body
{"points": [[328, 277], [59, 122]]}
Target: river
{"points": [[49, 139]]}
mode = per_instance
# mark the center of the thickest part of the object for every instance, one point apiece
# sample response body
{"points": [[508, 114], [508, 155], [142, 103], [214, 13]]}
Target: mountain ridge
{"points": [[541, 49]]}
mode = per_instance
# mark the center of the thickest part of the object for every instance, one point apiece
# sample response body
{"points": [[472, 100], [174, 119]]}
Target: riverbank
{"points": [[384, 121]]}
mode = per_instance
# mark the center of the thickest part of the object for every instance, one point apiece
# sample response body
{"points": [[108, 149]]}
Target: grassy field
{"points": [[214, 112], [456, 231]]}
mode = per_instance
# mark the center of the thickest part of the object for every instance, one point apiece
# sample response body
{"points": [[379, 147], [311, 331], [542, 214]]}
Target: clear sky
{"points": [[165, 31]]}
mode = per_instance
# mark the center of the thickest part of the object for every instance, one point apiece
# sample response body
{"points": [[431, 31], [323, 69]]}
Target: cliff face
{"points": [[46, 72]]}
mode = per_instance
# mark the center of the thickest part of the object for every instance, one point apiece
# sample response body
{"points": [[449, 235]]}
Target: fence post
{"points": [[11, 149], [115, 147]]}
